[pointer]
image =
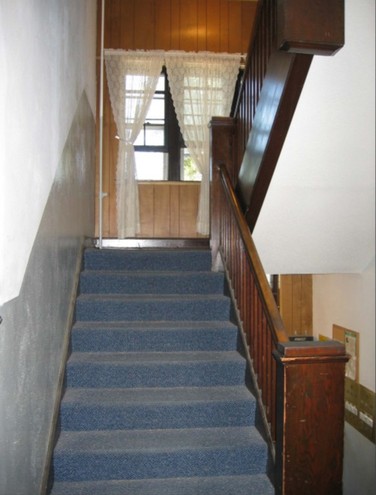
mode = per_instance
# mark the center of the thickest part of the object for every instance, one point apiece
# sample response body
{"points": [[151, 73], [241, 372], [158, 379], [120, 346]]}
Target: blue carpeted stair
{"points": [[156, 401]]}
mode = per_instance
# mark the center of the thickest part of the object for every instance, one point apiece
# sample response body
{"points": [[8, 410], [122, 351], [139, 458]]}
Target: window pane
{"points": [[151, 166], [161, 83], [156, 109], [189, 170], [154, 136]]}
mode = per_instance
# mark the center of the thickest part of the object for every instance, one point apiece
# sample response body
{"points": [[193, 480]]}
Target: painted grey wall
{"points": [[35, 323]]}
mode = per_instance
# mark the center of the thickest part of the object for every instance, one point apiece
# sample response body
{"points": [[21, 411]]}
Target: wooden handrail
{"points": [[287, 34], [271, 310], [299, 385]]}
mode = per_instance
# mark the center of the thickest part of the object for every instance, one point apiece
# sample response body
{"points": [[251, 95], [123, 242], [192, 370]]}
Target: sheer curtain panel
{"points": [[132, 79], [202, 86]]}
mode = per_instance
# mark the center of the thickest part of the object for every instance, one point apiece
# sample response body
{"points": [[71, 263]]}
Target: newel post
{"points": [[310, 418], [221, 152]]}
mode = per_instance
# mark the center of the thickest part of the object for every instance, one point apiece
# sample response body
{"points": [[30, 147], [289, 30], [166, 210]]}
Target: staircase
{"points": [[156, 401]]}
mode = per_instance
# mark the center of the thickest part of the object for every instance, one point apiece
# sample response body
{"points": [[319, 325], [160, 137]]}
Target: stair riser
{"points": [[170, 310], [144, 340], [149, 416], [161, 375], [147, 260], [216, 485], [177, 463], [97, 283]]}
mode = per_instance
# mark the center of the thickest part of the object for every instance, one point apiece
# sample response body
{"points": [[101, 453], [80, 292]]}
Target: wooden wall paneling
{"points": [[127, 25], [297, 300], [224, 26], [285, 301], [162, 36], [234, 22], [249, 10], [113, 16], [146, 198], [174, 209], [202, 26], [188, 26], [295, 297], [306, 316], [189, 195], [144, 25], [162, 210], [213, 25], [175, 25]]}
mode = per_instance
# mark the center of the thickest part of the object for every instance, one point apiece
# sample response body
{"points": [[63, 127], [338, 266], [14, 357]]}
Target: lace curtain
{"points": [[202, 86], [132, 79]]}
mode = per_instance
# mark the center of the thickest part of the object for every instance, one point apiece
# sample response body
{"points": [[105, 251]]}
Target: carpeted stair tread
{"points": [[152, 335], [158, 440], [185, 407], [156, 397], [146, 307], [139, 454], [258, 484], [131, 336], [149, 282], [155, 324], [131, 358], [140, 259], [155, 369]]}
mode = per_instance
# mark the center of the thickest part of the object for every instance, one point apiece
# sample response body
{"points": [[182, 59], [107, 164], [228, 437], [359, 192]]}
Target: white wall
{"points": [[47, 159], [348, 300], [319, 213], [46, 55]]}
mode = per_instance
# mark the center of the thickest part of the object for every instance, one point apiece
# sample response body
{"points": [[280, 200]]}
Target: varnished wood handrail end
{"points": [[311, 349]]}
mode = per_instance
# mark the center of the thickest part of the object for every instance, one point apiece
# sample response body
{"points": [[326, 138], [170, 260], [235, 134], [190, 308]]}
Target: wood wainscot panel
{"points": [[188, 209], [162, 209], [168, 209], [146, 199], [295, 302]]}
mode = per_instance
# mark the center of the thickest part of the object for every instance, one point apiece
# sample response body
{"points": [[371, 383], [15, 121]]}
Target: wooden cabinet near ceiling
{"points": [[295, 303]]}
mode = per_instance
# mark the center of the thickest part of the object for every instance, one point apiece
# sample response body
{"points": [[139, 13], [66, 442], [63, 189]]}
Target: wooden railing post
{"points": [[222, 151], [310, 418]]}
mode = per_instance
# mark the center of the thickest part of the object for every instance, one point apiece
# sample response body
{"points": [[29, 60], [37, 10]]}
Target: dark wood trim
{"points": [[290, 71], [222, 130], [310, 421], [156, 243], [315, 28]]}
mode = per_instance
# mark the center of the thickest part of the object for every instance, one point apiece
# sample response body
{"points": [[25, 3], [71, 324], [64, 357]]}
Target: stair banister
{"points": [[300, 386], [287, 34]]}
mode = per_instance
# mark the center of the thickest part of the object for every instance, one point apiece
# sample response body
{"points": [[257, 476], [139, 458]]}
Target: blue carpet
{"points": [[156, 401]]}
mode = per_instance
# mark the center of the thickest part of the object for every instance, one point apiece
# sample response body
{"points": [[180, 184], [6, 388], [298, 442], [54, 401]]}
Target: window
{"points": [[159, 148]]}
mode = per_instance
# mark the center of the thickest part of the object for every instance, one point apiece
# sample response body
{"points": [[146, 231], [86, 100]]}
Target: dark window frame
{"points": [[173, 139]]}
